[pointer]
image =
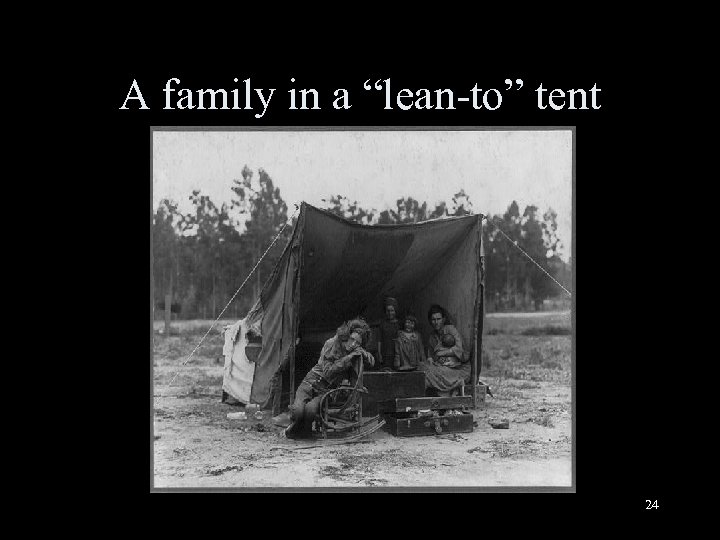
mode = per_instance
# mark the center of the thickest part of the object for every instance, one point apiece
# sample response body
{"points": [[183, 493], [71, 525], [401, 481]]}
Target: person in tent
{"points": [[387, 333], [338, 358], [446, 367], [409, 350]]}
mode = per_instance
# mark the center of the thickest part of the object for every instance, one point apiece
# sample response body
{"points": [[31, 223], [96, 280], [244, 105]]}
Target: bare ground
{"points": [[195, 444]]}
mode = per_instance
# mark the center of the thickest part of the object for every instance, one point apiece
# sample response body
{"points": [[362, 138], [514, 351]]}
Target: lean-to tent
{"points": [[333, 270]]}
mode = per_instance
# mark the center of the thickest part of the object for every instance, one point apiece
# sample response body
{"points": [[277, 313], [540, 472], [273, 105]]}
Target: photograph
{"points": [[362, 308]]}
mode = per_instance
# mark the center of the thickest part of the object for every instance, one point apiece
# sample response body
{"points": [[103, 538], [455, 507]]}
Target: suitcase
{"points": [[423, 416], [384, 385]]}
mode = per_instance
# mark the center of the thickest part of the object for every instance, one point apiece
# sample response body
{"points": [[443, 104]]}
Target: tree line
{"points": [[201, 257]]}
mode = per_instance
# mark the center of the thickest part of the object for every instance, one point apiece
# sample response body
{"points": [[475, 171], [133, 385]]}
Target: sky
{"points": [[375, 168]]}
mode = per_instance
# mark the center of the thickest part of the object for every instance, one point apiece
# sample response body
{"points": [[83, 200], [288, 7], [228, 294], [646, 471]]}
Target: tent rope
{"points": [[234, 295], [512, 242], [168, 357]]}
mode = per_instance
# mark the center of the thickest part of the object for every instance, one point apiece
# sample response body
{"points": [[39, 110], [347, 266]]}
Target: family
{"points": [[401, 348], [444, 361]]}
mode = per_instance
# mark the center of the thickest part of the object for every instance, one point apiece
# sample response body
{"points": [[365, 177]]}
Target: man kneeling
{"points": [[336, 363]]}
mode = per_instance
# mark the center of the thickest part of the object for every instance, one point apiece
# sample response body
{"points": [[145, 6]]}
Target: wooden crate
{"points": [[420, 426], [384, 385], [477, 393], [422, 416], [415, 404]]}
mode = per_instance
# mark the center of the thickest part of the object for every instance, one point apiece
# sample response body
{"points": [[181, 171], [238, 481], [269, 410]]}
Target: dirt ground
{"points": [[526, 362]]}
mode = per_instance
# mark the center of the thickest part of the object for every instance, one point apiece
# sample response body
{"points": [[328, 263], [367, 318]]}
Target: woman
{"points": [[447, 367], [336, 364]]}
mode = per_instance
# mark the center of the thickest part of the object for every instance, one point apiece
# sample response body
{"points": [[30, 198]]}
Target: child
{"points": [[409, 351], [448, 342], [386, 334]]}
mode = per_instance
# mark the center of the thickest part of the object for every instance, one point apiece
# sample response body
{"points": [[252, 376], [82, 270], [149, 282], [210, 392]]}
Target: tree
{"points": [[352, 211], [409, 210], [461, 205], [387, 217], [510, 225], [555, 265], [549, 226], [531, 241], [166, 252], [440, 211], [265, 213], [511, 278], [165, 249], [201, 237]]}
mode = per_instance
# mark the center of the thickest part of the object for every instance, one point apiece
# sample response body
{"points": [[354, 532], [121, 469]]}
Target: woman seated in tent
{"points": [[409, 350], [336, 363], [447, 367]]}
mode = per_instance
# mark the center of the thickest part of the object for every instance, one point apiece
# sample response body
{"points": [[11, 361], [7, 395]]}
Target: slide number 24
{"points": [[651, 504]]}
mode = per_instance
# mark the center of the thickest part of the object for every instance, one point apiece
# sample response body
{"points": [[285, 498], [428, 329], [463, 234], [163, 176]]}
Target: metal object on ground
{"points": [[341, 414], [370, 426]]}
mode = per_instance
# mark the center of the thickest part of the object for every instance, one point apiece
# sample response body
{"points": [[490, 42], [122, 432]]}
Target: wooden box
{"points": [[416, 404], [477, 392], [429, 425], [384, 385], [423, 416]]}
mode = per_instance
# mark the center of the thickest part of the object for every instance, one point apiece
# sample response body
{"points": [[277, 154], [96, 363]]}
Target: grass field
{"points": [[195, 326], [535, 322]]}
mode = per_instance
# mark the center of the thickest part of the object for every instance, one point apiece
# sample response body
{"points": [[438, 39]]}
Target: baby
{"points": [[447, 342]]}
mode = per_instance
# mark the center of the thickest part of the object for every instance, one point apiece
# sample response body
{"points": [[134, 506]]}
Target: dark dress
{"points": [[387, 333], [445, 379], [409, 351]]}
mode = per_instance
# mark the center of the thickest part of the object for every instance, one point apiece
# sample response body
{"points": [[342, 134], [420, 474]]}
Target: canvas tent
{"points": [[333, 270]]}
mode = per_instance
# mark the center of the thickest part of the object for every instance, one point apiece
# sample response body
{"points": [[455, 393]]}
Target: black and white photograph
{"points": [[366, 308]]}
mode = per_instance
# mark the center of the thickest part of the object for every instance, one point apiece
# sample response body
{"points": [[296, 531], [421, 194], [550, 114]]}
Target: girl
{"points": [[409, 351]]}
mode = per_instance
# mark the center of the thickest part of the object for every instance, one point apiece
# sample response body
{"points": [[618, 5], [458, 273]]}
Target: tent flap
{"points": [[238, 373]]}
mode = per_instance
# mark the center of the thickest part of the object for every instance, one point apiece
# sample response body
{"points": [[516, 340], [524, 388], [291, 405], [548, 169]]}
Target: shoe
{"points": [[295, 431], [282, 420], [290, 432]]}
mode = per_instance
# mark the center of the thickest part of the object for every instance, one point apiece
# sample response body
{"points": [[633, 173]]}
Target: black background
{"points": [[622, 391]]}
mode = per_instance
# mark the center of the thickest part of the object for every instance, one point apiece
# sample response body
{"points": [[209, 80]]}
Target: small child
{"points": [[409, 350], [448, 341]]}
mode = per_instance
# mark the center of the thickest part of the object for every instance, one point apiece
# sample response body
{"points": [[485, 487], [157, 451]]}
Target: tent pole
{"points": [[296, 301], [479, 291], [292, 367]]}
